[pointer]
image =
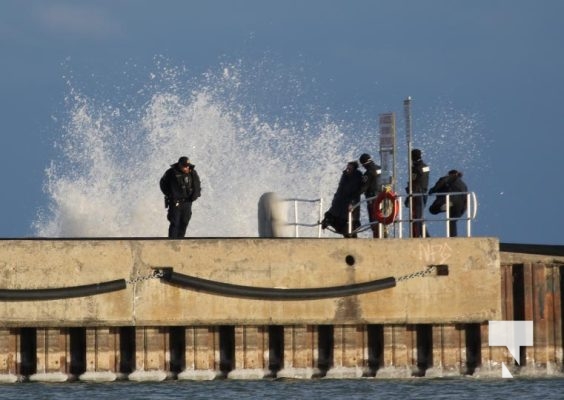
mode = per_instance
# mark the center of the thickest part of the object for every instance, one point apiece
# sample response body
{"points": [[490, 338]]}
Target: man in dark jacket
{"points": [[181, 186], [347, 195], [451, 183], [419, 186], [371, 187]]}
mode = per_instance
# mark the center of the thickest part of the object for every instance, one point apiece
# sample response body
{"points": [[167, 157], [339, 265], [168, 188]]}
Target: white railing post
{"points": [[399, 221], [469, 214], [296, 234], [447, 211], [296, 222], [320, 217]]}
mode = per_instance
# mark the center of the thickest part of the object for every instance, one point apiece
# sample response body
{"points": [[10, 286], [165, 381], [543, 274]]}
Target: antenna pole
{"points": [[407, 116]]}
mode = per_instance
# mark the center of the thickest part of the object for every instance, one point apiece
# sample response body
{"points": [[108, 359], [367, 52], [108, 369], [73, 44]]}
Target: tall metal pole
{"points": [[407, 114]]}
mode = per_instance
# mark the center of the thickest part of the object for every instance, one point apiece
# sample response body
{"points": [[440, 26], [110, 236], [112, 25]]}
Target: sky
{"points": [[499, 61]]}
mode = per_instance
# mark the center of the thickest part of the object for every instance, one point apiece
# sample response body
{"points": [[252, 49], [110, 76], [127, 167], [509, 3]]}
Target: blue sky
{"points": [[500, 61]]}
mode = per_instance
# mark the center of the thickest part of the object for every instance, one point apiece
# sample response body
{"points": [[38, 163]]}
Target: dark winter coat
{"points": [[419, 177], [348, 193], [371, 180], [178, 186], [451, 183]]}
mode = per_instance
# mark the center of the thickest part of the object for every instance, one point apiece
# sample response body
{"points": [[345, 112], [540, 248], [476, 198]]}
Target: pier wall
{"points": [[432, 324], [471, 264]]}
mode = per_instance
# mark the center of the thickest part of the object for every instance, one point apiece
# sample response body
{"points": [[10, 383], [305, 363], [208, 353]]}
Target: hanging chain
{"points": [[155, 274], [430, 269]]}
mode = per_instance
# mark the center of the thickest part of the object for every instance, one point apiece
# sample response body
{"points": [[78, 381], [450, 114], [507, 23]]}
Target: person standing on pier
{"points": [[451, 183], [346, 196], [371, 187], [181, 186], [417, 199]]}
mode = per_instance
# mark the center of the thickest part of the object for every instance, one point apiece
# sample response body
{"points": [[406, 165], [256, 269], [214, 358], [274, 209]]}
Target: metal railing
{"points": [[297, 224], [397, 227], [398, 224]]}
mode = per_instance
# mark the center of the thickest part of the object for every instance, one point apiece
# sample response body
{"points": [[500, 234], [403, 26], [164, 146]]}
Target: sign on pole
{"points": [[387, 128]]}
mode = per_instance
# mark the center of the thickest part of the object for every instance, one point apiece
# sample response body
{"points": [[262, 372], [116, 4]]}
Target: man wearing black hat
{"points": [[181, 186], [371, 186], [419, 185]]}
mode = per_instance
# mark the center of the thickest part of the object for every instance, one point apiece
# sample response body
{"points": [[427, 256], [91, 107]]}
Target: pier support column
{"points": [[532, 276], [202, 353], [251, 353], [449, 351], [543, 307], [400, 352], [492, 356], [557, 324], [102, 355], [350, 352], [300, 352], [9, 343], [52, 355], [151, 354]]}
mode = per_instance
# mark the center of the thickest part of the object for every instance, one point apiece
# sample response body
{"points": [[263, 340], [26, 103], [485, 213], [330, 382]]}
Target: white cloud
{"points": [[82, 19]]}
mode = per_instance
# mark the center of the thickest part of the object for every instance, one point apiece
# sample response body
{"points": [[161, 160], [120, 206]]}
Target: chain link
{"points": [[155, 274], [430, 269]]}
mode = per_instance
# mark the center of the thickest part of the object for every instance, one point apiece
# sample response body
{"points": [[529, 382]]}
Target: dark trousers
{"points": [[417, 213], [453, 229], [455, 212], [179, 214]]}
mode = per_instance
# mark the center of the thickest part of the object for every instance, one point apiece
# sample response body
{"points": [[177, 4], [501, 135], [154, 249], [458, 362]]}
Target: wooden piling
{"points": [[300, 352], [102, 354], [350, 352], [251, 353], [151, 350], [202, 353], [449, 350], [400, 351], [9, 355], [52, 355]]}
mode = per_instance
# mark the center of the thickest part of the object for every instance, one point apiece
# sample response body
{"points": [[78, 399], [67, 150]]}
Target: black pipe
{"points": [[260, 293], [61, 293], [543, 249]]}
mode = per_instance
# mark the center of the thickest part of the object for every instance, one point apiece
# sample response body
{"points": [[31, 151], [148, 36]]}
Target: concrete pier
{"points": [[433, 322]]}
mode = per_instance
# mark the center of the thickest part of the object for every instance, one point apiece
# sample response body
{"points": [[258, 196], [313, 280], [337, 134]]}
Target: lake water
{"points": [[424, 388]]}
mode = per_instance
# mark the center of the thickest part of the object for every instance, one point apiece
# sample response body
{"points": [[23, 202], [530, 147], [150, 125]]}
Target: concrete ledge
{"points": [[49, 377], [345, 373], [10, 378], [297, 373], [148, 376], [247, 374], [394, 372], [199, 375], [105, 376], [473, 268]]}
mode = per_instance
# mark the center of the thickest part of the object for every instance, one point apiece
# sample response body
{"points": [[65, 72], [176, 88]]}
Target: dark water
{"points": [[443, 388]]}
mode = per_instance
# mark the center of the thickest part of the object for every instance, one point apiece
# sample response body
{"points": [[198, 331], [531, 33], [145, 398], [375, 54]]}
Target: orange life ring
{"points": [[377, 209]]}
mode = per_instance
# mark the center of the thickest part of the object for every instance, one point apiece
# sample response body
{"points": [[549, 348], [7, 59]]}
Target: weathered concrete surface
{"points": [[470, 293]]}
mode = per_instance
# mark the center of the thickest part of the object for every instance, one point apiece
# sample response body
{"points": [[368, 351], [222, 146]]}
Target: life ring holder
{"points": [[387, 195]]}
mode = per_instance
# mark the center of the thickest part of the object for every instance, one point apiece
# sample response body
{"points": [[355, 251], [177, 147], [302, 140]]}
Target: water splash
{"points": [[113, 153], [452, 139]]}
